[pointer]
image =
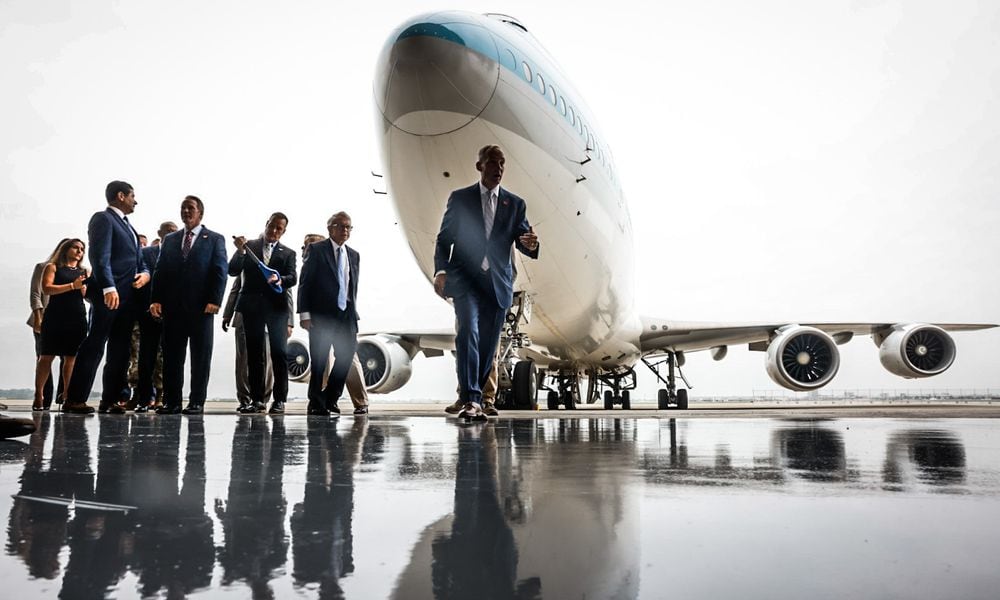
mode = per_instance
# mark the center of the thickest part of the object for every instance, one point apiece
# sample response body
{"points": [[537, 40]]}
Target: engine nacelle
{"points": [[297, 357], [915, 350], [385, 363], [802, 358]]}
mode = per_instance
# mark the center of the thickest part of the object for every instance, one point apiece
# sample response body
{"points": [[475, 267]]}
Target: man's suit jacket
{"points": [[188, 284], [230, 315], [114, 255], [255, 293], [142, 295], [318, 287], [462, 242]]}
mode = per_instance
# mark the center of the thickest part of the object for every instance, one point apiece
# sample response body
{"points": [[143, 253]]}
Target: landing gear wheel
{"points": [[626, 400], [552, 400], [609, 400], [682, 399], [525, 385], [662, 399]]}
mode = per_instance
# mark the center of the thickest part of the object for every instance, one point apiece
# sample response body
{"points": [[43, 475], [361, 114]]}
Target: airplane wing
{"points": [[432, 342], [661, 335]]}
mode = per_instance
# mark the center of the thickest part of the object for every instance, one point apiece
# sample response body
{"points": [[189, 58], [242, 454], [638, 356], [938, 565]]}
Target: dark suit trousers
{"points": [[180, 329], [150, 332], [276, 324], [111, 327], [341, 333], [479, 319]]}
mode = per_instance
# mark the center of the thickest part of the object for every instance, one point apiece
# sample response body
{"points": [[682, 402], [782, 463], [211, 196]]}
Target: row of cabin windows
{"points": [[537, 80]]}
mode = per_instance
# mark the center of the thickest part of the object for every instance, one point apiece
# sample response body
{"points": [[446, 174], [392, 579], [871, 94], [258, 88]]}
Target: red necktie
{"points": [[188, 240]]}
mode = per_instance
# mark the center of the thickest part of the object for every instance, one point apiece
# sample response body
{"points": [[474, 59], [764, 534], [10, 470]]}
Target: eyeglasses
{"points": [[344, 227]]}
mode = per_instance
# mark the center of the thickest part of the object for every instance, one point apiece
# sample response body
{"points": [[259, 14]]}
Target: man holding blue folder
{"points": [[268, 269]]}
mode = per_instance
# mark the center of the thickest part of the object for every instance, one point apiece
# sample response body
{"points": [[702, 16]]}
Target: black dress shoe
{"points": [[277, 408], [317, 410], [168, 410], [242, 405], [117, 409], [333, 408], [193, 409], [103, 408], [141, 408], [252, 409], [361, 410], [78, 409]]}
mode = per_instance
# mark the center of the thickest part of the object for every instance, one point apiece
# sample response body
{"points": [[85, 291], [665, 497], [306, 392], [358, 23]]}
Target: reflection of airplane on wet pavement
{"points": [[448, 83]]}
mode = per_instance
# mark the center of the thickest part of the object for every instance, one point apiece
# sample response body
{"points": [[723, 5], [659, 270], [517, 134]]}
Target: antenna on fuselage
{"points": [[375, 191]]}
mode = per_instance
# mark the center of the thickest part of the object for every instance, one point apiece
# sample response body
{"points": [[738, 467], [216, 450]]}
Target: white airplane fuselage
{"points": [[449, 83]]}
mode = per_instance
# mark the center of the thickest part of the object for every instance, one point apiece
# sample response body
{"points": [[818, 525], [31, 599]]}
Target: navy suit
{"points": [[481, 297], [183, 286], [116, 260], [263, 308], [318, 290]]}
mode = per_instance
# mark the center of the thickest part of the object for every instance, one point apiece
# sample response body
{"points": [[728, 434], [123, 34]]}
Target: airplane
{"points": [[448, 83]]}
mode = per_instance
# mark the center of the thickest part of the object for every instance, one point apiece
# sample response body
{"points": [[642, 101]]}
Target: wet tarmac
{"points": [[397, 506]]}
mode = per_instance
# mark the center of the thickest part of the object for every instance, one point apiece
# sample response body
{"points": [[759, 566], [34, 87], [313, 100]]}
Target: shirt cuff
{"points": [[304, 317], [108, 290], [440, 273]]}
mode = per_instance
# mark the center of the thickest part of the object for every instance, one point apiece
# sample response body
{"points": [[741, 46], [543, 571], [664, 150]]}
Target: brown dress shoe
{"points": [[490, 409], [454, 409]]}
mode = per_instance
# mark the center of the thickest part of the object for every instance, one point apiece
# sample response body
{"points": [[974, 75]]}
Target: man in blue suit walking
{"points": [[188, 285], [118, 271], [472, 266]]}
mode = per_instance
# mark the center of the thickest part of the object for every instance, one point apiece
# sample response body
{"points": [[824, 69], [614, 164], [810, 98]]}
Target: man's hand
{"points": [[141, 279], [111, 300], [529, 240], [239, 242], [156, 309], [225, 325], [274, 277], [211, 309], [306, 324], [289, 331], [439, 281]]}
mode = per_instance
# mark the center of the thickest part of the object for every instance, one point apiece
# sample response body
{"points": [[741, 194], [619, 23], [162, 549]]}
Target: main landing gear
{"points": [[670, 397], [518, 380]]}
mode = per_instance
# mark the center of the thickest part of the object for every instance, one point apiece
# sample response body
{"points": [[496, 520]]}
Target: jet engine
{"points": [[914, 350], [297, 357], [385, 363], [802, 358]]}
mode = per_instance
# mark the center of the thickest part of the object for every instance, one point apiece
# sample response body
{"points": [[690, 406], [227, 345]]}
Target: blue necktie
{"points": [[341, 281]]}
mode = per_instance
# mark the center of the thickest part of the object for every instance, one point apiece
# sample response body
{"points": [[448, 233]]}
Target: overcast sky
{"points": [[782, 160]]}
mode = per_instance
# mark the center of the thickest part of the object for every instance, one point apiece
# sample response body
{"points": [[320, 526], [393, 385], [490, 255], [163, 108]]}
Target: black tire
{"points": [[524, 385], [682, 399], [662, 399], [569, 401], [552, 400], [626, 400], [609, 400]]}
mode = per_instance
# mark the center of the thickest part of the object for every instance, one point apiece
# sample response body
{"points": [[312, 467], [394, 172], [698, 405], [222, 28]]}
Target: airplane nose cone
{"points": [[436, 74]]}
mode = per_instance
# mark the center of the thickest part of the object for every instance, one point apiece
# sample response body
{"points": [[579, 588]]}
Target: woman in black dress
{"points": [[64, 324]]}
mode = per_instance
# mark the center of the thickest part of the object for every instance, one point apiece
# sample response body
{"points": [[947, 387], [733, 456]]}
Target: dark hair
{"points": [[485, 151], [197, 200], [55, 251], [111, 192], [64, 248], [278, 215]]}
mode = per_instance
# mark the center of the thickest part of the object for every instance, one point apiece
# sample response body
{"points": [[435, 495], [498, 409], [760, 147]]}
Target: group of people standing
{"points": [[171, 290]]}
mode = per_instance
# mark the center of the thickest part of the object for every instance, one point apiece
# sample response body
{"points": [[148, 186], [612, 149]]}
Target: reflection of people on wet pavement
{"points": [[479, 558], [174, 548], [253, 516], [37, 530], [322, 537]]}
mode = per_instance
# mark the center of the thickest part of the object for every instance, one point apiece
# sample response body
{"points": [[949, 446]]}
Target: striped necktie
{"points": [[188, 240]]}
